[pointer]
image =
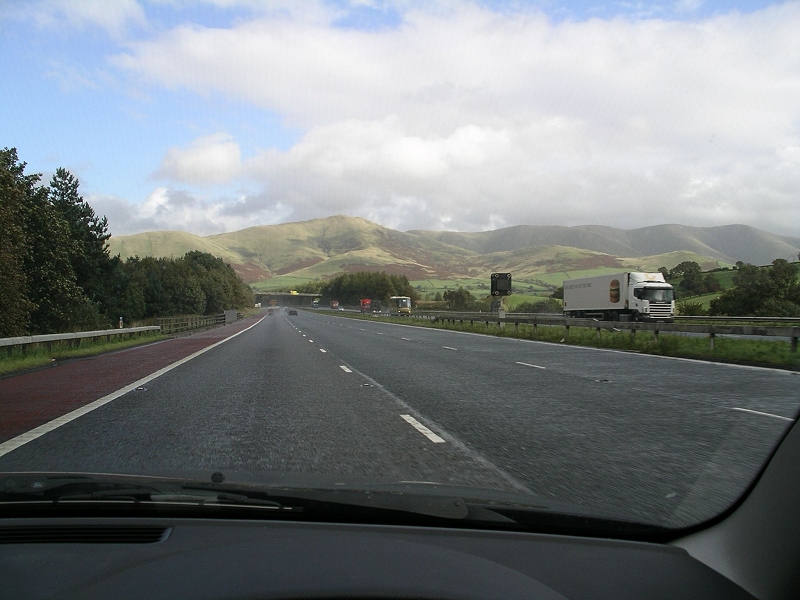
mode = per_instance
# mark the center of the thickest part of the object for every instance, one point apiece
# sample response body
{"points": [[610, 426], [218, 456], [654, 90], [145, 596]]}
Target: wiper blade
{"points": [[77, 489]]}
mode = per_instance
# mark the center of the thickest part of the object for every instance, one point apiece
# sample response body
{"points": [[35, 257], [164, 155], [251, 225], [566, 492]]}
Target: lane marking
{"points": [[304, 335], [423, 430], [758, 412], [322, 350], [379, 333], [449, 348], [345, 369], [312, 341], [39, 431], [530, 365], [406, 339]]}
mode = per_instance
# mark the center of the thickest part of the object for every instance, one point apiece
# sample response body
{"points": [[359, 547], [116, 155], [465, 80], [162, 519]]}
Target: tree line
{"points": [[57, 275], [350, 288]]}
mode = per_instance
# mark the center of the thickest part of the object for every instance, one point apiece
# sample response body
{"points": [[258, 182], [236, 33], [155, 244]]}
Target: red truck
{"points": [[366, 305]]}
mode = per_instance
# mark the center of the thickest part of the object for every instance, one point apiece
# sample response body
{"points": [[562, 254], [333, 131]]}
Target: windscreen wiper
{"points": [[73, 490]]}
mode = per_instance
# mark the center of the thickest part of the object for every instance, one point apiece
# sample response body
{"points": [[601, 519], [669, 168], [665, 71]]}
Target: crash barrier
{"points": [[188, 322], [74, 339], [711, 330]]}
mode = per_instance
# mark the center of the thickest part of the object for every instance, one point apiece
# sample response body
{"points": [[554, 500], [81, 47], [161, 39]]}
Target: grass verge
{"points": [[775, 353], [38, 355]]}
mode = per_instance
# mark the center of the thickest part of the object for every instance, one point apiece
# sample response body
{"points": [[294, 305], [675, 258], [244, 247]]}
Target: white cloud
{"points": [[465, 117], [113, 16], [208, 159], [177, 210]]}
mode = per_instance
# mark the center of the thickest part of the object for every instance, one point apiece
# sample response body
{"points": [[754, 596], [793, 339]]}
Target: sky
{"points": [[218, 115]]}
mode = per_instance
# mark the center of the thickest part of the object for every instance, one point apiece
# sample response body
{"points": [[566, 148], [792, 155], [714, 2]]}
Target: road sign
{"points": [[501, 284]]}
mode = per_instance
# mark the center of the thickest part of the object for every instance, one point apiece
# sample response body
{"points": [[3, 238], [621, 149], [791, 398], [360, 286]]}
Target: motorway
{"points": [[659, 440]]}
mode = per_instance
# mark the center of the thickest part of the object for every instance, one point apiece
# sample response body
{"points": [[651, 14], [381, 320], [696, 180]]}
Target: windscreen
{"points": [[658, 294], [171, 173]]}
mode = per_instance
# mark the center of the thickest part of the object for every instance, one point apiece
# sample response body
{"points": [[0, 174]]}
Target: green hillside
{"points": [[287, 255], [166, 244]]}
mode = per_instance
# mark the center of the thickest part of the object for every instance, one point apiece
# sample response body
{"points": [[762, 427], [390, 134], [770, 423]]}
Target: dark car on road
{"points": [[292, 312]]}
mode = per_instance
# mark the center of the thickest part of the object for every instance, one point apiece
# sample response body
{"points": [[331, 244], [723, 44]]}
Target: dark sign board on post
{"points": [[501, 284]]}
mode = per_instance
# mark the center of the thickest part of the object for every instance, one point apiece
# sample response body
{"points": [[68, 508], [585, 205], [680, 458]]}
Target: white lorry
{"points": [[626, 296]]}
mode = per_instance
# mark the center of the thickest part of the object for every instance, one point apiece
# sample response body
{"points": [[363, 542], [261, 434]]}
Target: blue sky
{"points": [[218, 115]]}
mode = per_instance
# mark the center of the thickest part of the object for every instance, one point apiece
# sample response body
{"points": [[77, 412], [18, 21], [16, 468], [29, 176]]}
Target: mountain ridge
{"points": [[321, 248]]}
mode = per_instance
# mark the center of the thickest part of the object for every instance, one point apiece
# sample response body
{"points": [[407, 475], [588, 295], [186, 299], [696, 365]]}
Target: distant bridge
{"points": [[285, 298]]}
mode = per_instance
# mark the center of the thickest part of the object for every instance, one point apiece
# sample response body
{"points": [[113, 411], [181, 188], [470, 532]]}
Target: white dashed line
{"points": [[345, 369], [449, 348], [530, 365], [312, 341], [756, 412], [423, 430], [322, 350], [406, 339]]}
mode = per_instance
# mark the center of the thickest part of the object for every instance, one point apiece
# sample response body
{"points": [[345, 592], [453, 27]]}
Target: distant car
{"points": [[292, 312]]}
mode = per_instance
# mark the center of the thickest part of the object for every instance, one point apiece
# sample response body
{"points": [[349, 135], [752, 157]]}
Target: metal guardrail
{"points": [[676, 318], [739, 319], [74, 339], [165, 325], [189, 322], [559, 321]]}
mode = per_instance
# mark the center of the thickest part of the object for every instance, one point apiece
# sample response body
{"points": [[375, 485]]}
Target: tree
{"points": [[763, 292], [664, 271], [681, 269], [57, 303], [459, 299], [88, 252], [15, 306]]}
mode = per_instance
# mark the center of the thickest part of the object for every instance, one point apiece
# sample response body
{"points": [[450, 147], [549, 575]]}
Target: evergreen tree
{"points": [[89, 255]]}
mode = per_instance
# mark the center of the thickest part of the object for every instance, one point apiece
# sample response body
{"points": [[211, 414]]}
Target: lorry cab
{"points": [[400, 305], [651, 297]]}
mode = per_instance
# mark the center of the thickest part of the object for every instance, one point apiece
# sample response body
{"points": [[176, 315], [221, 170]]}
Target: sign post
{"points": [[501, 287]]}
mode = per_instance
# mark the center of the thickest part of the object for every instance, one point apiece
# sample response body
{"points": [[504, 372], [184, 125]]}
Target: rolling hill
{"points": [[273, 255]]}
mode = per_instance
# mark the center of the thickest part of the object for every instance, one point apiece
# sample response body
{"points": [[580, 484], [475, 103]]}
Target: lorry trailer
{"points": [[626, 296]]}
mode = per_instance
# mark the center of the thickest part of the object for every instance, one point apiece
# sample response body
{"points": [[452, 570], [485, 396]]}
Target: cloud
{"points": [[114, 16], [167, 209], [208, 159], [463, 117]]}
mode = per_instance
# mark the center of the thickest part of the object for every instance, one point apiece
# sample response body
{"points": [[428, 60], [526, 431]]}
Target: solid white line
{"points": [[423, 430], [449, 348], [530, 365], [39, 431], [345, 369], [322, 350], [757, 412]]}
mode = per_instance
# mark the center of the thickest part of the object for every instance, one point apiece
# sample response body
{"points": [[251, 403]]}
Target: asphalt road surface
{"points": [[659, 440]]}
